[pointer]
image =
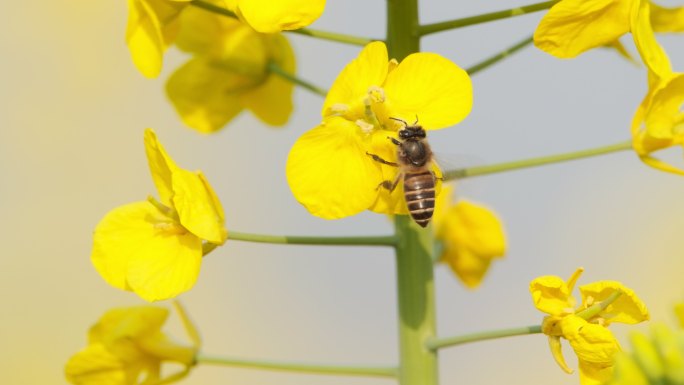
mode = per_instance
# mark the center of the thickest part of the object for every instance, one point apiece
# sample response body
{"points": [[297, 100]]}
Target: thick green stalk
{"points": [[438, 343], [416, 293], [402, 28], [415, 286], [533, 162], [299, 367], [484, 18]]}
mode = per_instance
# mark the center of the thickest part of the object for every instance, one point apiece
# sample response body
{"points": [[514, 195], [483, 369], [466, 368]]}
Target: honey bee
{"points": [[414, 160]]}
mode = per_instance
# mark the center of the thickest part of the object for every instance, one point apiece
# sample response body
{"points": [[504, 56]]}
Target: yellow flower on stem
{"points": [[574, 26], [585, 327], [230, 72], [154, 248], [329, 170], [127, 347], [152, 27], [659, 120], [269, 16], [471, 235]]}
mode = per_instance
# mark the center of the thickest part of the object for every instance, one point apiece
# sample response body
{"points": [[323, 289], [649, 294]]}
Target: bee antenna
{"points": [[399, 120], [416, 122]]}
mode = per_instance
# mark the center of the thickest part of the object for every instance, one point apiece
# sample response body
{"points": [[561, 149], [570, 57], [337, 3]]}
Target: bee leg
{"points": [[394, 140], [388, 184], [379, 159]]}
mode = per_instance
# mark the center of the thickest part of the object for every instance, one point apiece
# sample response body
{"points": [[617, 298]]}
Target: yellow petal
{"points": [[627, 308], [137, 248], [557, 353], [152, 26], [472, 237], [477, 229], [550, 295], [161, 166], [652, 54], [352, 84], [664, 117], [664, 19], [268, 16], [468, 267], [430, 87], [271, 101], [198, 207], [128, 323], [595, 374], [95, 365], [592, 343], [204, 31], [658, 122], [574, 26], [329, 171], [206, 97]]}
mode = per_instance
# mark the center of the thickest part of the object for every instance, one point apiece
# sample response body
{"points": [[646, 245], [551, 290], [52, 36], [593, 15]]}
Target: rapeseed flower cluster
{"points": [[572, 27], [127, 347], [329, 169], [585, 326], [154, 247], [232, 57]]}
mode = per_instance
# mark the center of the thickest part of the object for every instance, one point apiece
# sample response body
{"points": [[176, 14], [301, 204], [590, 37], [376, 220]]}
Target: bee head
{"points": [[414, 131]]}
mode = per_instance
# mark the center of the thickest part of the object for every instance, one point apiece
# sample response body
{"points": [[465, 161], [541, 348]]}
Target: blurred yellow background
{"points": [[72, 114]]}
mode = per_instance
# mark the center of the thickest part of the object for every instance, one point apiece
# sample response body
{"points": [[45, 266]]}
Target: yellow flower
{"points": [[229, 72], [659, 120], [329, 169], [269, 16], [585, 327], [471, 235], [127, 347], [155, 248], [574, 26], [152, 27]]}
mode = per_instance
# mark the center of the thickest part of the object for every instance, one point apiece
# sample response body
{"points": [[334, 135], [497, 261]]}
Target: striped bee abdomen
{"points": [[419, 190]]}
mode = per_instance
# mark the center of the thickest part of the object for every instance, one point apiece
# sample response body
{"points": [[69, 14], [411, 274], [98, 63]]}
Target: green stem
{"points": [[438, 343], [499, 56], [415, 284], [332, 36], [597, 308], [416, 295], [275, 68], [533, 162], [389, 240], [299, 367], [486, 17]]}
